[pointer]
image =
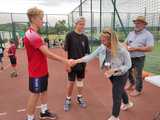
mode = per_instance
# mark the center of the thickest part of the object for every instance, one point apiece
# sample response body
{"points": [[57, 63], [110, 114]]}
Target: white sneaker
{"points": [[125, 107], [113, 118]]}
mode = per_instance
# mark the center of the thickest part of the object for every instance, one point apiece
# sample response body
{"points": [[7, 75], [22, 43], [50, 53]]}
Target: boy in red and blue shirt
{"points": [[37, 53]]}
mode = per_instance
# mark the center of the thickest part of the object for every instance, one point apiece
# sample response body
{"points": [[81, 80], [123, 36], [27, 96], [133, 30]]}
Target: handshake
{"points": [[71, 63]]}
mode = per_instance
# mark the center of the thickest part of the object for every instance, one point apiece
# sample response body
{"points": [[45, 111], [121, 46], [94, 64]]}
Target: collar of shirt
{"points": [[140, 32]]}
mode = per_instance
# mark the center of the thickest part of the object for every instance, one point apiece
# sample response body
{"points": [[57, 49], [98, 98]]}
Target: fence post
{"points": [[100, 16], [91, 8], [80, 8], [114, 5], [114, 14], [46, 25], [13, 28]]}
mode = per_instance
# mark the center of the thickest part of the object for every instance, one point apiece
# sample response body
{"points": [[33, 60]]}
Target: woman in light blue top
{"points": [[116, 62]]}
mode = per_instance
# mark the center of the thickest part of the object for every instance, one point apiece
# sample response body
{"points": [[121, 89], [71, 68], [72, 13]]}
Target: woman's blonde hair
{"points": [[33, 12], [113, 39]]}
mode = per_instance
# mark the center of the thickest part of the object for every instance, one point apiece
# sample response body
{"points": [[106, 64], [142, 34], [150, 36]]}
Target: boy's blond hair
{"points": [[33, 12]]}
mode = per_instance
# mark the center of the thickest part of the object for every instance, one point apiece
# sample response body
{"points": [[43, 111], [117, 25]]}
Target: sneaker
{"points": [[81, 102], [67, 105], [125, 107], [48, 115], [14, 74], [113, 118], [135, 93]]}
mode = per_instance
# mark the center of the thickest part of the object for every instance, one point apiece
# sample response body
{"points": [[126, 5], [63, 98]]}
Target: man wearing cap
{"points": [[139, 42], [76, 46]]}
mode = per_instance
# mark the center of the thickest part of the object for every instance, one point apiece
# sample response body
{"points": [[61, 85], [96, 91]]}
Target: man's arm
{"points": [[53, 56], [141, 49], [66, 49], [68, 68]]}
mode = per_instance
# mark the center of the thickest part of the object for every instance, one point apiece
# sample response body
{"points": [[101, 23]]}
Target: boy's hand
{"points": [[68, 68]]}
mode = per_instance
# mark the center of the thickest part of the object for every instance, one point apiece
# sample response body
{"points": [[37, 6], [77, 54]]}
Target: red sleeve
{"points": [[36, 41]]}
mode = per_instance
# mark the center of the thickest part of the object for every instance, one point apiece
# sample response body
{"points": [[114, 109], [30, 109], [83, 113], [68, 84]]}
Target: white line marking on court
{"points": [[21, 110], [38, 107], [3, 114]]}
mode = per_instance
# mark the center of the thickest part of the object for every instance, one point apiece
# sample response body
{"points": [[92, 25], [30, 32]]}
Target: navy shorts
{"points": [[0, 59], [38, 85]]}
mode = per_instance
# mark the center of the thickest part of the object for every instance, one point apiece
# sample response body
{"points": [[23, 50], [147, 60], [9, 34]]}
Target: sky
{"points": [[49, 6], [59, 6]]}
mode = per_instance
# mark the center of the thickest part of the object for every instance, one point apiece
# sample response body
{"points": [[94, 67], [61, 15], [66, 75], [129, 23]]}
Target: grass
{"points": [[152, 63], [56, 37]]}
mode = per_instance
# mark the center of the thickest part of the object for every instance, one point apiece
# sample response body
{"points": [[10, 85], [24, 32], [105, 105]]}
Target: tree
{"points": [[60, 27]]}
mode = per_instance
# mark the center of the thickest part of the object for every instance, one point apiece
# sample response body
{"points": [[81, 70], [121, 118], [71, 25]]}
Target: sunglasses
{"points": [[107, 32]]}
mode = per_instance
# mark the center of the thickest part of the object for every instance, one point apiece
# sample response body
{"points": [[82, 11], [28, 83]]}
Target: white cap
{"points": [[81, 18]]}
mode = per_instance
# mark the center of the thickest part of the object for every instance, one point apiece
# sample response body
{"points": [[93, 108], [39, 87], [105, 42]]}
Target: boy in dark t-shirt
{"points": [[76, 46]]}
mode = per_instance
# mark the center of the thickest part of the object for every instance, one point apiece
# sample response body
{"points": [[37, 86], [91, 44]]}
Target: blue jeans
{"points": [[118, 93], [135, 73]]}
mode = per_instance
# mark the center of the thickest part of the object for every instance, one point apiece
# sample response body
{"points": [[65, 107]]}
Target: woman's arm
{"points": [[91, 56]]}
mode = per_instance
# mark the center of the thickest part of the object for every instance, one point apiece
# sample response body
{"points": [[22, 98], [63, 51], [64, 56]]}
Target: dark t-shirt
{"points": [[77, 46]]}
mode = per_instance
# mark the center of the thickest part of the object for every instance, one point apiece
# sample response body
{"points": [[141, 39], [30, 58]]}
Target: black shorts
{"points": [[1, 59], [79, 74], [13, 60], [38, 85]]}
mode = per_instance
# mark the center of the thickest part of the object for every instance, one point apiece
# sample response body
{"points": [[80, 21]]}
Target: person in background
{"points": [[47, 41], [138, 42], [13, 58]]}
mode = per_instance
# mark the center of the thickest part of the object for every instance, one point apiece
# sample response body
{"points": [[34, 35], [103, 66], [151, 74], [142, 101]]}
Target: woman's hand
{"points": [[110, 72]]}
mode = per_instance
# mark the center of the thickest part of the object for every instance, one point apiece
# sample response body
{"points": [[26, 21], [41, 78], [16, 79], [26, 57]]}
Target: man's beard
{"points": [[137, 29]]}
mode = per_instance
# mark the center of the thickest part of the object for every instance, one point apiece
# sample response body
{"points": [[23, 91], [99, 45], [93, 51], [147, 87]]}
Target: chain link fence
{"points": [[101, 13], [14, 25]]}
